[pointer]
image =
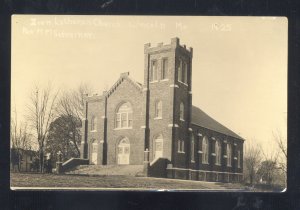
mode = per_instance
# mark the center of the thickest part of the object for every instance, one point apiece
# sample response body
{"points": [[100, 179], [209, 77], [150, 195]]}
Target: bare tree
{"points": [[20, 140], [282, 147], [40, 115], [252, 159]]}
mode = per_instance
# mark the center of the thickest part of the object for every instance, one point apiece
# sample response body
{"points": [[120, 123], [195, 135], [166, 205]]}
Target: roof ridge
{"points": [[210, 123], [123, 76]]}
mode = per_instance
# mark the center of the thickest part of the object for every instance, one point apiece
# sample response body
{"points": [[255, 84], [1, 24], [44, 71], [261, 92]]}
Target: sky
{"points": [[239, 63]]}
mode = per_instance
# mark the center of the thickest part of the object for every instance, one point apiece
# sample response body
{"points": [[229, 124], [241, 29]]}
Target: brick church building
{"points": [[155, 124]]}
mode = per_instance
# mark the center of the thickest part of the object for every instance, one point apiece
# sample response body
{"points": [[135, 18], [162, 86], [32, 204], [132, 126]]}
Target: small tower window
{"points": [[158, 109], [179, 70], [184, 72], [153, 73], [93, 123], [164, 69], [181, 111]]}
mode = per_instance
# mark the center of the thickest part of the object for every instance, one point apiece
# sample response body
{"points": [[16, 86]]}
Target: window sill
{"points": [[93, 131], [157, 118], [229, 166], [206, 163], [183, 83], [164, 80], [200, 152], [217, 164], [181, 152], [154, 81], [213, 154], [125, 128], [192, 161], [182, 120]]}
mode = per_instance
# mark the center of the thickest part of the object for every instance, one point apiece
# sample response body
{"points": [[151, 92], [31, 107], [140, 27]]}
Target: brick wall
{"points": [[125, 92]]}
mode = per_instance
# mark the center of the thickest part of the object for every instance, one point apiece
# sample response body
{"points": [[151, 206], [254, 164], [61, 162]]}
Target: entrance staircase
{"points": [[106, 170]]}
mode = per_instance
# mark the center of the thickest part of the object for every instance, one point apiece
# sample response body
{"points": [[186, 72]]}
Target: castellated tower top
{"points": [[175, 43]]}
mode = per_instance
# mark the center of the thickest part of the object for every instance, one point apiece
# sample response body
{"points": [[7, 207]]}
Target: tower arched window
{"points": [[205, 150], [158, 109], [154, 71], [181, 111], [94, 123], [164, 69], [184, 72], [179, 70], [229, 154], [192, 148], [124, 116], [218, 152]]}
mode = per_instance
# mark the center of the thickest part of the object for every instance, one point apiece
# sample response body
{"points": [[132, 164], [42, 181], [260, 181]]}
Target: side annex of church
{"points": [[155, 124]]}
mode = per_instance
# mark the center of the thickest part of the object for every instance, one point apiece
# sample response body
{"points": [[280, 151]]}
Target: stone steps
{"points": [[106, 170]]}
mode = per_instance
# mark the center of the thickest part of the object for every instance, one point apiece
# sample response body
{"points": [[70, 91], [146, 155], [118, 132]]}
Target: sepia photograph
{"points": [[187, 103]]}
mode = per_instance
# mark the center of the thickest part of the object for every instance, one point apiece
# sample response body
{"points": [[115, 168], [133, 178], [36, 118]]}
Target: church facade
{"points": [[155, 124]]}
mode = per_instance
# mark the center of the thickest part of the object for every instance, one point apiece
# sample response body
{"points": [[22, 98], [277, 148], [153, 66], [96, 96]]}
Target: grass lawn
{"points": [[112, 182]]}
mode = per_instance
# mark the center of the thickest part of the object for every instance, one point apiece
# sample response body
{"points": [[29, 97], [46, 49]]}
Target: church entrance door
{"points": [[94, 153], [123, 152], [158, 148]]}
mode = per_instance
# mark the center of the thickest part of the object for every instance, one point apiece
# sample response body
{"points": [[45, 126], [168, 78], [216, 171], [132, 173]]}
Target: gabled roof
{"points": [[124, 76], [202, 119]]}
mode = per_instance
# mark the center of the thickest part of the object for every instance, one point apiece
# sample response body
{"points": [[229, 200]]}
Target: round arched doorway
{"points": [[123, 152]]}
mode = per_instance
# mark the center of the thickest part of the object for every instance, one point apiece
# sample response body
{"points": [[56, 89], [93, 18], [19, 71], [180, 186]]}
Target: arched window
{"points": [[180, 146], [179, 70], [192, 148], [164, 69], [239, 158], [153, 72], [94, 123], [124, 116], [229, 153], [218, 152], [184, 72], [205, 150], [158, 109], [181, 111]]}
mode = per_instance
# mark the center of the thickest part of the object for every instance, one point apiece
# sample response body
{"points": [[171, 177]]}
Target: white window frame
{"points": [[94, 123], [158, 106], [239, 158], [229, 155], [154, 71], [192, 148], [205, 150], [184, 72], [124, 116], [164, 69], [179, 70], [181, 111], [218, 151], [180, 144]]}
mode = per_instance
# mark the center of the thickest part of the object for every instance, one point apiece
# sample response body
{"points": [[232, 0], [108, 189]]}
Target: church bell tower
{"points": [[168, 101]]}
